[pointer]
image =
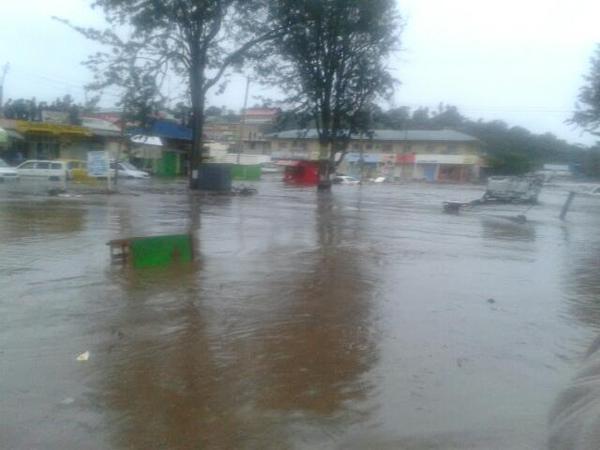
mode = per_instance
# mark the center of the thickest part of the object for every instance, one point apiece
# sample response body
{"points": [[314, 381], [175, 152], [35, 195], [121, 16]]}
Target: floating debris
{"points": [[84, 356], [154, 251]]}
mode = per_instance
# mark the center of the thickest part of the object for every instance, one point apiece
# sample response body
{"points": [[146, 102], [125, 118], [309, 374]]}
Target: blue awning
{"points": [[165, 129]]}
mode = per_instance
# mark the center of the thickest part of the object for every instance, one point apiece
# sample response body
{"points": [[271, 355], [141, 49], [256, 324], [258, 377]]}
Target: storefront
{"points": [[53, 141], [361, 165], [405, 166], [446, 168]]}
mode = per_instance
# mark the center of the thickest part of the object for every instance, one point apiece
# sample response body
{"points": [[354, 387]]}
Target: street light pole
{"points": [[243, 121], [5, 69]]}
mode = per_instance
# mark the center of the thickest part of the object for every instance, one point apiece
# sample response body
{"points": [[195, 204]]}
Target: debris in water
{"points": [[68, 401], [491, 300], [84, 356], [141, 252]]}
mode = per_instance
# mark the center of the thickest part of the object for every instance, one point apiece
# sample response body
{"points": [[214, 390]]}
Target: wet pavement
{"points": [[364, 319]]}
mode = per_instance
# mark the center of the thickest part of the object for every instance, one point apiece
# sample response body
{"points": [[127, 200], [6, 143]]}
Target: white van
{"points": [[50, 170], [7, 172]]}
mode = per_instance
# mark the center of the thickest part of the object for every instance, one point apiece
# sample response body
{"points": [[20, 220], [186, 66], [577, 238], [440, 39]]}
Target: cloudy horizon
{"points": [[520, 62]]}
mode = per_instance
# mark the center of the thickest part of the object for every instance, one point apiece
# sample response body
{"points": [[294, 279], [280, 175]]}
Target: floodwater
{"points": [[364, 319]]}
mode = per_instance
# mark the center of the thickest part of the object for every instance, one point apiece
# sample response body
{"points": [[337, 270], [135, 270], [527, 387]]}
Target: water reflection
{"points": [[507, 228], [324, 346], [192, 361], [36, 218]]}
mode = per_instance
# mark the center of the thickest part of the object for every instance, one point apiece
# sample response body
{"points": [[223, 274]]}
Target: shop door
{"points": [[429, 171]]}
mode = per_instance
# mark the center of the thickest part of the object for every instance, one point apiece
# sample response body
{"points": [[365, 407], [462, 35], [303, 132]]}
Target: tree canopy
{"points": [[331, 63], [189, 43], [587, 108], [31, 109]]}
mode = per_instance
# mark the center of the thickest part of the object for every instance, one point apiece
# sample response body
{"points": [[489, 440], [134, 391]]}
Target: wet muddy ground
{"points": [[365, 319]]}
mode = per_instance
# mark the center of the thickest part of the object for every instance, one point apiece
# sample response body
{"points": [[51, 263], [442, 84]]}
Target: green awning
{"points": [[3, 136]]}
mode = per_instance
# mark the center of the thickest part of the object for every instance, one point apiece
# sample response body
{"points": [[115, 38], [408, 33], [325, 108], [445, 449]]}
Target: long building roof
{"points": [[387, 135]]}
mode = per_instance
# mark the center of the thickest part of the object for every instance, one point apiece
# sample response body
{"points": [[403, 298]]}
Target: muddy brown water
{"points": [[362, 319]]}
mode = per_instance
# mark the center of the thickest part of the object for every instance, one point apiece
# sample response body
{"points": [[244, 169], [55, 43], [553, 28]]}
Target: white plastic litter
{"points": [[84, 356]]}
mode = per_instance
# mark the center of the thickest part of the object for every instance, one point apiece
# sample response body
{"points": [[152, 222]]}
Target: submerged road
{"points": [[361, 319]]}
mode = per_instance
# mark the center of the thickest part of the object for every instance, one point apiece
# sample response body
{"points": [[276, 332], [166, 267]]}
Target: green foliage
{"points": [[510, 164], [331, 62], [190, 43], [587, 113], [591, 163], [23, 109]]}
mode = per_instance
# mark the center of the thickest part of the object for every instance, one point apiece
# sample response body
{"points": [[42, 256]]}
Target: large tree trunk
{"points": [[197, 144], [324, 167], [198, 101]]}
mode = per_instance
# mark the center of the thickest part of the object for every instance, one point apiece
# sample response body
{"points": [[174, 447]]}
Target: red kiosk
{"points": [[300, 172]]}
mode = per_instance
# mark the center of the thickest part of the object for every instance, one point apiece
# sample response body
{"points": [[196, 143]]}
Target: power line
{"points": [[64, 83]]}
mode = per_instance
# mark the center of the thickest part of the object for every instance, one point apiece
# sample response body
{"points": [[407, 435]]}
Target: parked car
{"points": [[345, 179], [7, 173], [51, 170], [128, 170]]}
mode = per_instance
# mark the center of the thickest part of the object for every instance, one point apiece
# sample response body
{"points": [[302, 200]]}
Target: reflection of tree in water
{"points": [[178, 377], [161, 382], [320, 348], [39, 218]]}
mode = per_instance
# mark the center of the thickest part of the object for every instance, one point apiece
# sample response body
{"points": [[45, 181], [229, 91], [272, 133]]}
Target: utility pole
{"points": [[5, 70], [121, 139], [243, 121]]}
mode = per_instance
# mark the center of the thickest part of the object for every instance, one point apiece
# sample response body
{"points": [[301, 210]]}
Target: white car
{"points": [[51, 170], [128, 170], [345, 179], [7, 173]]}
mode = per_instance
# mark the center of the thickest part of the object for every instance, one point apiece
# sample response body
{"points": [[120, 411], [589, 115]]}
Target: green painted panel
{"points": [[169, 162], [246, 173], [161, 250]]}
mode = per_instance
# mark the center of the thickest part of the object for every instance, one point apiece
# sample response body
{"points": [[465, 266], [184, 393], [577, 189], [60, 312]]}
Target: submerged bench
{"points": [[153, 251]]}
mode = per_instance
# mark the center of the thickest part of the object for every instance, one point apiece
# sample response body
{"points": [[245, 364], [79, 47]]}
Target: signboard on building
{"points": [[446, 159], [98, 164], [405, 158], [55, 117]]}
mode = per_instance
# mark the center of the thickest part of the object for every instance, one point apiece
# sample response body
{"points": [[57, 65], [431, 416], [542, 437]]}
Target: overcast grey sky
{"points": [[521, 61]]}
